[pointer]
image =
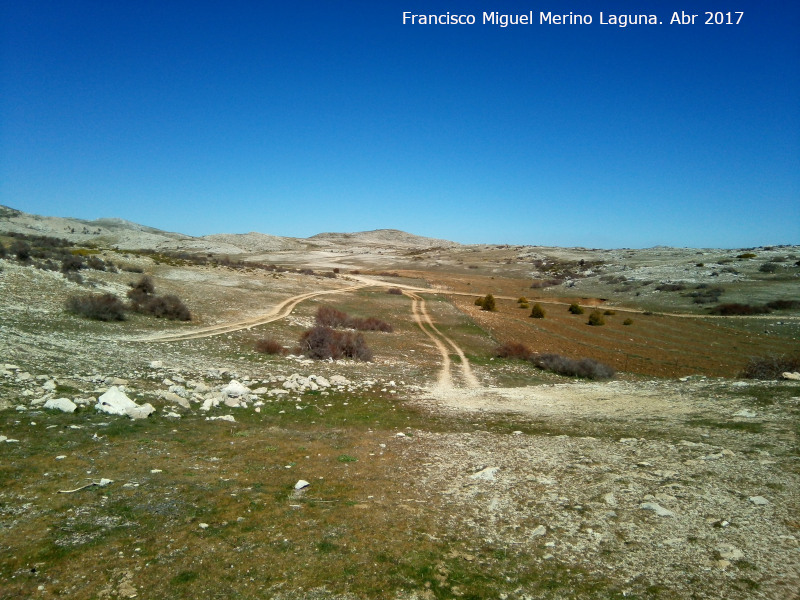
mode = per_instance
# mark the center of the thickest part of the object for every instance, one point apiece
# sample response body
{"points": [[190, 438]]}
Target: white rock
{"points": [[203, 525], [49, 385], [222, 418], [791, 376], [486, 474], [174, 398], [339, 380], [141, 412], [322, 382], [301, 484], [235, 389], [539, 531], [156, 364], [747, 414], [729, 552], [115, 402], [758, 500], [657, 508], [63, 404]]}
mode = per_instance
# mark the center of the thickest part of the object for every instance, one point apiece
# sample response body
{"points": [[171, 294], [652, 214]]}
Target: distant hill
{"points": [[382, 237], [124, 234]]}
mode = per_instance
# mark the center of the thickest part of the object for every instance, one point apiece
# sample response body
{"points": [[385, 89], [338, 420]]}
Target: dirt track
{"points": [[445, 380]]}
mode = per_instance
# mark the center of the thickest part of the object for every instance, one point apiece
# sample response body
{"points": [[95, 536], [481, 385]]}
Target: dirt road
{"points": [[280, 311], [441, 341]]}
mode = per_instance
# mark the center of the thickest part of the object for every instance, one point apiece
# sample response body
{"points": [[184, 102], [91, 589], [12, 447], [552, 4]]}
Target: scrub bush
{"points": [[322, 343], [101, 307], [537, 312], [770, 367]]}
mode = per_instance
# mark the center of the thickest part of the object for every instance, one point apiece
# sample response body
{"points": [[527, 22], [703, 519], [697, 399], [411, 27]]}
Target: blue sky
{"points": [[312, 116]]}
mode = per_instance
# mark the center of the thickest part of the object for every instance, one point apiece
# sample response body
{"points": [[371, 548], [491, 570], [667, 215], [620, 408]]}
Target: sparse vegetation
{"points": [[489, 303], [395, 290], [513, 350], [144, 300], [323, 343], [101, 307], [586, 368], [269, 346], [327, 316], [770, 367], [537, 312], [736, 309], [628, 321], [596, 318], [575, 309]]}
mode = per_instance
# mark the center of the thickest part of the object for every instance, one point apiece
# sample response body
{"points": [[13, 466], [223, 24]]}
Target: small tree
{"points": [[537, 312], [489, 303], [575, 309]]}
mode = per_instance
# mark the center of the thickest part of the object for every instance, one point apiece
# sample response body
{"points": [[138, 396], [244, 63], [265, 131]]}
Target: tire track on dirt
{"points": [[441, 341], [281, 311]]}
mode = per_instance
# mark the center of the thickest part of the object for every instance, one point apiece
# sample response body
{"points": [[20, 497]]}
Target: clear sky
{"points": [[302, 117]]}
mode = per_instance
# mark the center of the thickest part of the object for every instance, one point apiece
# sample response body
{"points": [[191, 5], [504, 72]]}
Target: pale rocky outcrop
{"points": [[116, 402], [63, 404]]}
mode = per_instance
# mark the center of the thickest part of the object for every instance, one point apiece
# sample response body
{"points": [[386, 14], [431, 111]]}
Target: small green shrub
{"points": [[746, 255], [522, 300], [628, 321], [575, 309], [479, 302], [537, 312], [609, 313], [489, 303], [596, 318]]}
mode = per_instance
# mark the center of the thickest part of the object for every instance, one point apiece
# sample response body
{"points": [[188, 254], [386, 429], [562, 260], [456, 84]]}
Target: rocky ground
{"points": [[636, 487]]}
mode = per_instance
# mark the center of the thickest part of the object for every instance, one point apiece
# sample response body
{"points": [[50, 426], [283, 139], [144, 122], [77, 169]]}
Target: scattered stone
{"points": [[156, 364], [235, 389], [758, 500], [791, 376], [63, 404], [610, 499], [49, 386], [203, 526], [141, 412], [486, 474], [301, 484], [747, 414], [539, 531], [115, 402], [222, 418], [729, 552], [657, 508]]}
